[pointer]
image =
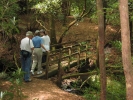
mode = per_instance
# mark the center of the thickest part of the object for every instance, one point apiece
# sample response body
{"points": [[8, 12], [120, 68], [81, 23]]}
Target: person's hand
{"points": [[47, 51]]}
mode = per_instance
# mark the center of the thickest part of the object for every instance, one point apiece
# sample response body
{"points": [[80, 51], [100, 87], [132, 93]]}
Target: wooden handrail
{"points": [[65, 53]]}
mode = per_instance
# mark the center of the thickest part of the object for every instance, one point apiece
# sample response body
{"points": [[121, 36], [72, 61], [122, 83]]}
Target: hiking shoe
{"points": [[28, 80], [32, 72], [39, 72]]}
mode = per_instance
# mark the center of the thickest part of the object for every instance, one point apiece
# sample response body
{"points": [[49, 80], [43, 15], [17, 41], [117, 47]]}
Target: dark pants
{"points": [[26, 66]]}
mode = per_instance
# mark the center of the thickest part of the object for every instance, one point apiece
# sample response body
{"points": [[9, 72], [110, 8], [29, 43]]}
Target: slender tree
{"points": [[65, 7], [126, 45], [101, 37], [52, 29]]}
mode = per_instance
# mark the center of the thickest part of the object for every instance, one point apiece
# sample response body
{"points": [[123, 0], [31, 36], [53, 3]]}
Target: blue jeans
{"points": [[26, 66]]}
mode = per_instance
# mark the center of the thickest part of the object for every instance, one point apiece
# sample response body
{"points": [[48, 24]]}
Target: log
{"points": [[79, 74], [90, 73]]}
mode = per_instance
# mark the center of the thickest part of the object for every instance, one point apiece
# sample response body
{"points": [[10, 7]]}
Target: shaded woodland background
{"points": [[64, 21]]}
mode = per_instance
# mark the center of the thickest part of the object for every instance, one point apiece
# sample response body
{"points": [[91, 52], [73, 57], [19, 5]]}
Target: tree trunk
{"points": [[65, 10], [52, 30], [101, 37], [126, 48]]}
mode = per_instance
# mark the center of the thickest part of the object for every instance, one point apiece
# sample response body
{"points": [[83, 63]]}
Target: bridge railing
{"points": [[68, 54]]}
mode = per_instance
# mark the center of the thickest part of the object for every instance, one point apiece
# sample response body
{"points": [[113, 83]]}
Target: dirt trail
{"points": [[40, 89], [47, 90]]}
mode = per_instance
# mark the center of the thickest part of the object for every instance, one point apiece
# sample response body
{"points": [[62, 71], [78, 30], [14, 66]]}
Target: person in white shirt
{"points": [[46, 43], [37, 53], [26, 47]]}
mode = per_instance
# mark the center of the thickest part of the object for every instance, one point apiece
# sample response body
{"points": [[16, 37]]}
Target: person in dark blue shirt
{"points": [[37, 53]]}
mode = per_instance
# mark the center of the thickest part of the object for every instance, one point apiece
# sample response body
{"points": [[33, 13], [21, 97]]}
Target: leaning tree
{"points": [[101, 39], [126, 48]]}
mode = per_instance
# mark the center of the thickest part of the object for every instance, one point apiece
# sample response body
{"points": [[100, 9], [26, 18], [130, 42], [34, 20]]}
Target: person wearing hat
{"points": [[46, 44], [26, 47], [37, 53]]}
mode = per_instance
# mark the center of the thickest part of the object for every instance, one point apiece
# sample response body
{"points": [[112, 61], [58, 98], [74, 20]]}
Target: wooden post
{"points": [[78, 56], [47, 65], [86, 48], [70, 52], [60, 70]]}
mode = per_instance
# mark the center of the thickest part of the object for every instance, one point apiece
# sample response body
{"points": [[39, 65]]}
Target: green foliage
{"points": [[130, 4], [92, 92], [76, 84], [6, 95], [48, 6], [78, 6], [10, 28], [15, 90], [112, 13], [3, 75], [117, 44], [8, 10], [36, 99], [93, 17], [84, 46], [118, 66], [94, 82], [115, 88], [132, 59]]}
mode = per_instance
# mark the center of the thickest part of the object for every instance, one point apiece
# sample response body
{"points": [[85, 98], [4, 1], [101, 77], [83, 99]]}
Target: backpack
{"points": [[25, 53]]}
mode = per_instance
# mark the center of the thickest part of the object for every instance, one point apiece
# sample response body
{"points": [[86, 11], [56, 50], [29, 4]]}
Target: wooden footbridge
{"points": [[64, 58]]}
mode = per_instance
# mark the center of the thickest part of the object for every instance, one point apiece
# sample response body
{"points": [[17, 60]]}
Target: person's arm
{"points": [[49, 41], [43, 47], [32, 49], [31, 46]]}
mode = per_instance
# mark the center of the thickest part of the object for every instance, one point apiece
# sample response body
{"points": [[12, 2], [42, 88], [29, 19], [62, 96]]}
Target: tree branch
{"points": [[42, 25], [83, 14]]}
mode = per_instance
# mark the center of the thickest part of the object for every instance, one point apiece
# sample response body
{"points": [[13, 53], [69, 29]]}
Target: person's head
{"points": [[37, 33], [42, 32], [29, 34]]}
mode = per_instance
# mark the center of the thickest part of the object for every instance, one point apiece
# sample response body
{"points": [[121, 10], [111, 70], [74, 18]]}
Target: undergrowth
{"points": [[15, 90], [116, 89]]}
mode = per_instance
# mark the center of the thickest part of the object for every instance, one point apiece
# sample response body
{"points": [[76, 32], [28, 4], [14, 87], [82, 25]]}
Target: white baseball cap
{"points": [[29, 33]]}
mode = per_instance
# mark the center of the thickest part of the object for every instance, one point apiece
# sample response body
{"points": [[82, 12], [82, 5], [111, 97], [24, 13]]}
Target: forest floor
{"points": [[40, 89]]}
